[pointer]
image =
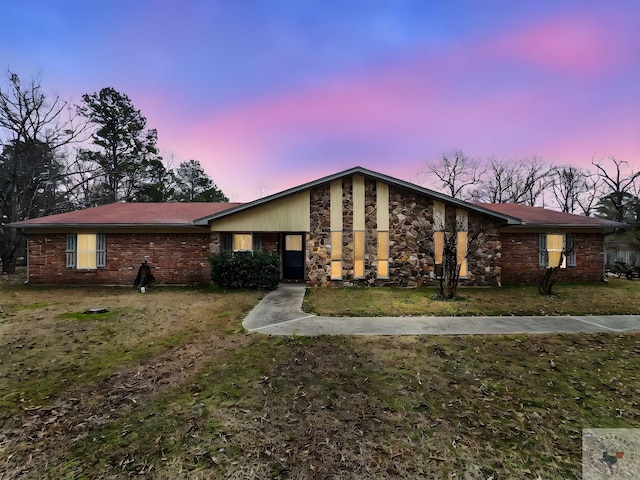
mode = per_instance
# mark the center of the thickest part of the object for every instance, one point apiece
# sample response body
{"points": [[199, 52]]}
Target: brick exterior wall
{"points": [[174, 258], [520, 253]]}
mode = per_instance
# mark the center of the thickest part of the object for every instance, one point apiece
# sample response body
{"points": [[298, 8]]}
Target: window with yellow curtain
{"points": [[358, 254], [242, 242], [461, 250], [383, 254], [336, 255], [555, 246], [438, 247], [87, 250]]}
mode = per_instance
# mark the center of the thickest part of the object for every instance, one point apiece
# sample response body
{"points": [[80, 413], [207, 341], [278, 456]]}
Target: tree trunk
{"points": [[8, 264]]}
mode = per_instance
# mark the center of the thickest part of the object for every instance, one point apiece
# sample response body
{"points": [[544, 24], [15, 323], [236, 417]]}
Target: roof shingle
{"points": [[536, 216], [131, 214]]}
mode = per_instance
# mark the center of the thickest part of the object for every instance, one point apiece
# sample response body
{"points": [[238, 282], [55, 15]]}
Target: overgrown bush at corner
{"points": [[246, 270]]}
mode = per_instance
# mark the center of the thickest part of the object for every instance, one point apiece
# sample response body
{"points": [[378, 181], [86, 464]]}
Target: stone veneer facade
{"points": [[410, 232]]}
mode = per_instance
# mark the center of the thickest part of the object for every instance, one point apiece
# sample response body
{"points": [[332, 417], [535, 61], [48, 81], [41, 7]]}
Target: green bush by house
{"points": [[246, 270]]}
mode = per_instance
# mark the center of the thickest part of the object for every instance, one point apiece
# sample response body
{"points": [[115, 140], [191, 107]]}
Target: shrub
{"points": [[246, 270]]}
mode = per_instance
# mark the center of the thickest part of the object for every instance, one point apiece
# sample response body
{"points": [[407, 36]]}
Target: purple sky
{"points": [[270, 94]]}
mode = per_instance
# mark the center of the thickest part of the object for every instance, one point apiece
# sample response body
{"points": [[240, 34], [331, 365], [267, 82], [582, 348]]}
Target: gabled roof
{"points": [[130, 215], [365, 173], [542, 217]]}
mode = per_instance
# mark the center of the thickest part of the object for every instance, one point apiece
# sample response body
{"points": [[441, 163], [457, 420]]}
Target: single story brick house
{"points": [[355, 227]]}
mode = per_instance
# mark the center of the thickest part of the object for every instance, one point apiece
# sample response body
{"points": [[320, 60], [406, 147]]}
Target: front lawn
{"points": [[167, 385], [618, 296]]}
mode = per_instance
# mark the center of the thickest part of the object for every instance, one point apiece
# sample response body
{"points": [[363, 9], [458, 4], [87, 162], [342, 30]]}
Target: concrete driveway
{"points": [[280, 313]]}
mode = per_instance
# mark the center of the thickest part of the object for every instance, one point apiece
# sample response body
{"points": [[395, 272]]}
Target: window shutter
{"points": [[570, 247], [542, 249], [101, 250], [72, 242]]}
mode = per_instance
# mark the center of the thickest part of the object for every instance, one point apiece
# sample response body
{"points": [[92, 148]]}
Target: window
{"points": [[358, 254], [86, 251], [336, 255], [293, 243], [461, 252], [462, 240], [551, 246], [241, 242], [383, 254]]}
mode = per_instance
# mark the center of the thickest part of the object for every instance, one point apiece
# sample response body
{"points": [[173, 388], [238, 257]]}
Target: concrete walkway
{"points": [[280, 313]]}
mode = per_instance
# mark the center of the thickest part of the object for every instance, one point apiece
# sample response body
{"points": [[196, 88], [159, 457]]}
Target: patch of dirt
{"points": [[15, 278]]}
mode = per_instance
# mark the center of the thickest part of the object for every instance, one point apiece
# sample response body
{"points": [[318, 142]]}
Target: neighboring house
{"points": [[356, 227], [622, 247]]}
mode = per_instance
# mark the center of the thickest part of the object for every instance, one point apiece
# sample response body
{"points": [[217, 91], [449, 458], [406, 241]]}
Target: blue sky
{"points": [[270, 94]]}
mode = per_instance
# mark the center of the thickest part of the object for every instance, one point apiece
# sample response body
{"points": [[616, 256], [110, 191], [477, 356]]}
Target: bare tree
{"points": [[550, 273], [457, 173], [496, 186], [513, 181], [568, 185], [589, 197], [449, 247], [531, 179], [33, 130], [619, 180]]}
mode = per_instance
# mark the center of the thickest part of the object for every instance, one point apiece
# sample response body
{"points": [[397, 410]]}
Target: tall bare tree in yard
{"points": [[555, 260], [512, 181], [531, 179], [450, 243], [589, 197], [619, 182], [33, 130], [497, 184], [574, 189], [456, 173]]}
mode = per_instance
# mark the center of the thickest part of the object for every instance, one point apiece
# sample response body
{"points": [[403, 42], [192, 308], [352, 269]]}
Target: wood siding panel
{"points": [[382, 200], [289, 214], [358, 202], [336, 206]]}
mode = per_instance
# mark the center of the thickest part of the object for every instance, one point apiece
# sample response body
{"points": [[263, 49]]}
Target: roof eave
{"points": [[103, 225], [569, 226]]}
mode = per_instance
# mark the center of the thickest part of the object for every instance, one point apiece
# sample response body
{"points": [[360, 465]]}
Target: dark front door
{"points": [[293, 256]]}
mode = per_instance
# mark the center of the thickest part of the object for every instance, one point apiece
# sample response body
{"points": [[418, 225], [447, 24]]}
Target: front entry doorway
{"points": [[293, 256]]}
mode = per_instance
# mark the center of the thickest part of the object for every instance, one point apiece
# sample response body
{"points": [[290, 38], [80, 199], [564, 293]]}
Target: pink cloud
{"points": [[582, 45], [424, 104]]}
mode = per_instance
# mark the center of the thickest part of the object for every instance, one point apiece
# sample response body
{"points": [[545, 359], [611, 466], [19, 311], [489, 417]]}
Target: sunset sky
{"points": [[270, 94]]}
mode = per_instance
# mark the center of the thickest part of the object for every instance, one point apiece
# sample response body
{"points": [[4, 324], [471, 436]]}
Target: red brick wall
{"points": [[174, 258], [520, 259]]}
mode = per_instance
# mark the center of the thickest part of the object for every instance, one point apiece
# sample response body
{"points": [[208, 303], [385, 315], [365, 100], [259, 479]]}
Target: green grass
{"points": [[618, 296]]}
